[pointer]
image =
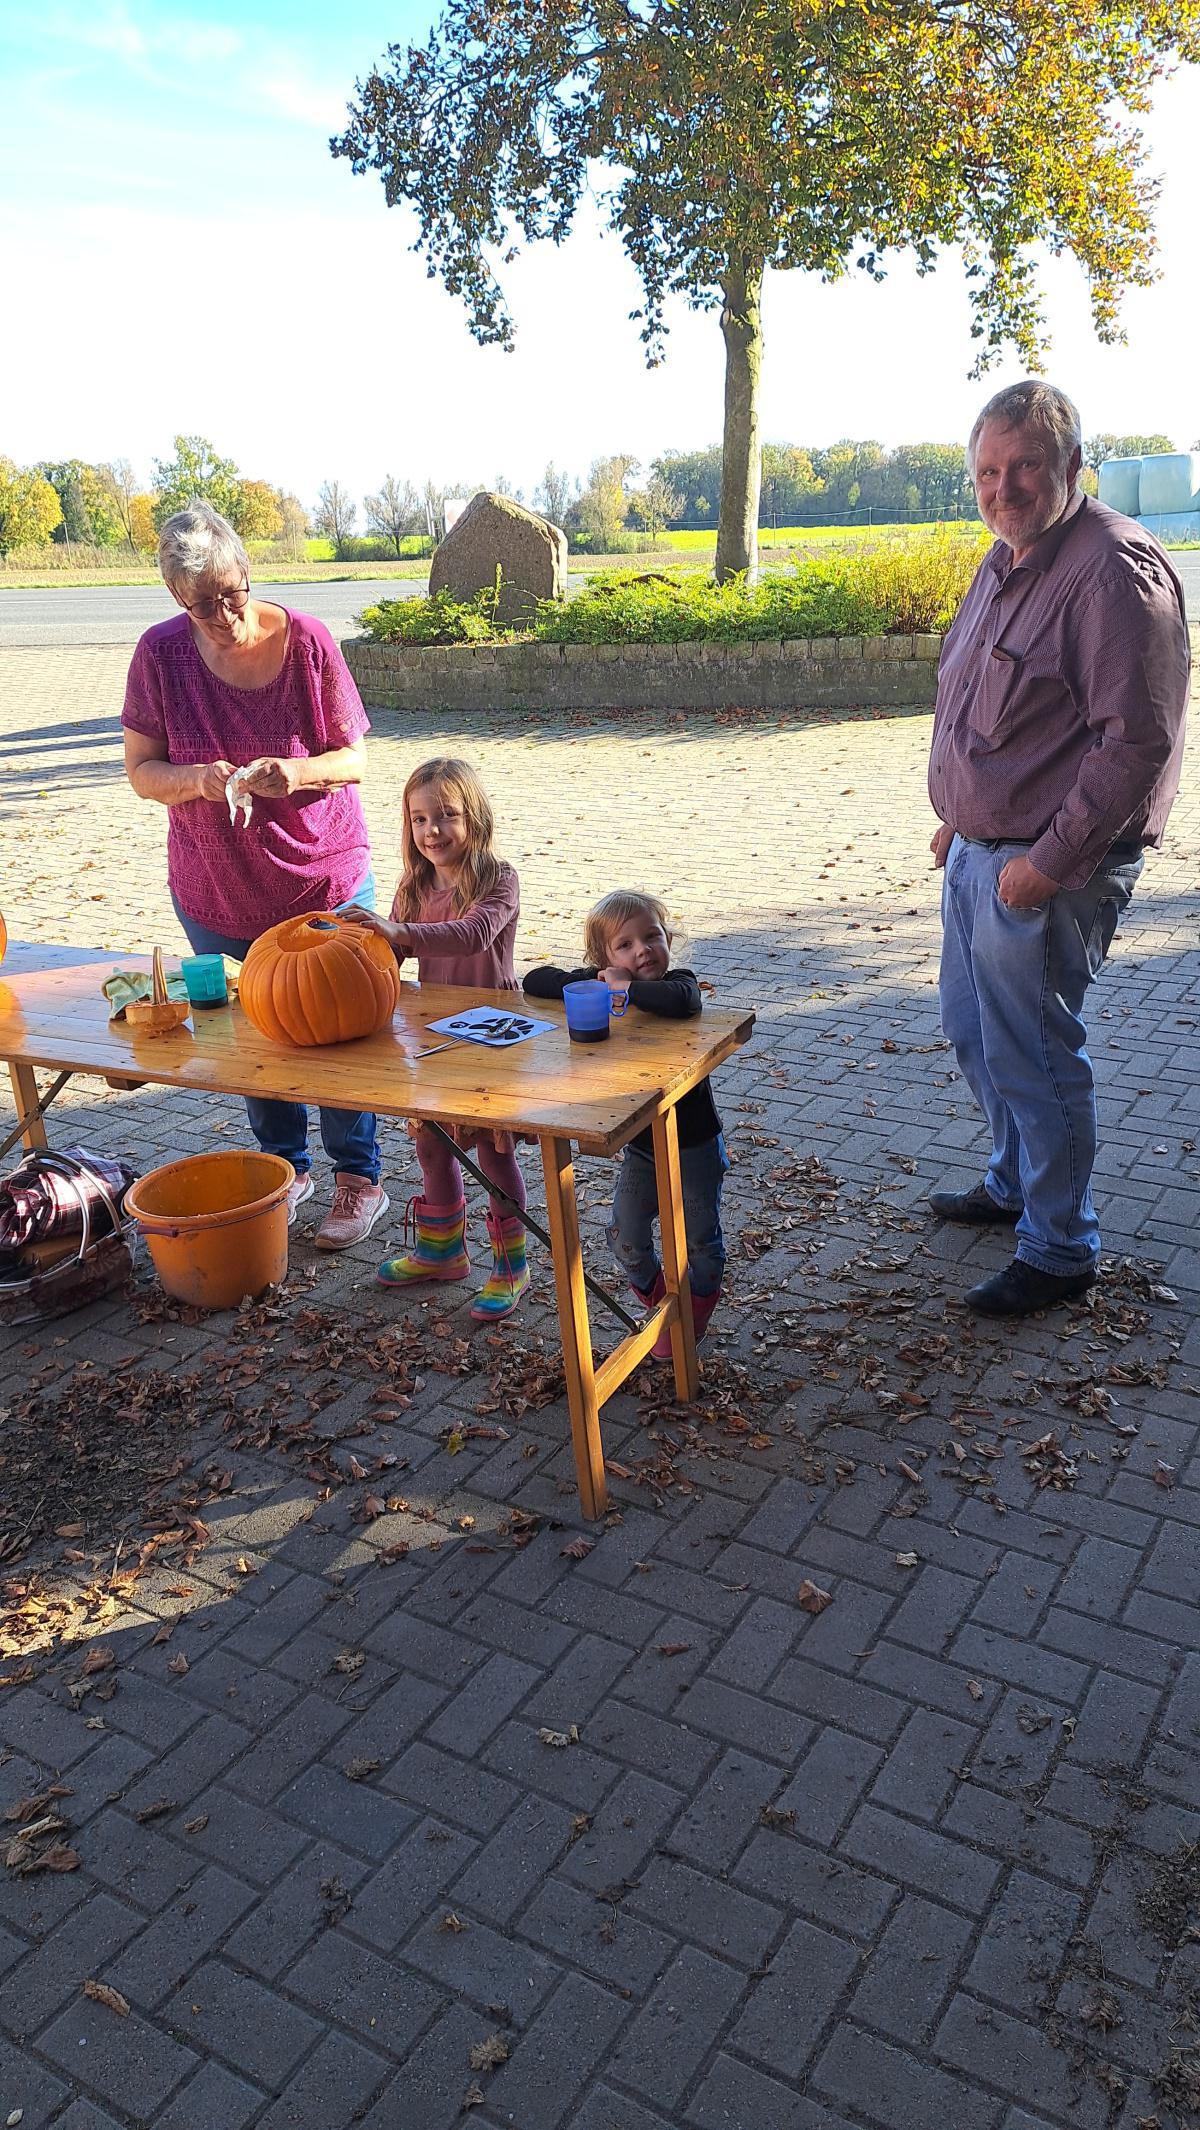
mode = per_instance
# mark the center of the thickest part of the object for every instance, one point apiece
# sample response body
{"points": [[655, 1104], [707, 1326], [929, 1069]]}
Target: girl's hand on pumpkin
{"points": [[354, 913], [211, 779], [272, 776]]}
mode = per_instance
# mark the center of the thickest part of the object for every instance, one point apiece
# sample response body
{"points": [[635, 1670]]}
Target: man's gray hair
{"points": [[1036, 405], [199, 546]]}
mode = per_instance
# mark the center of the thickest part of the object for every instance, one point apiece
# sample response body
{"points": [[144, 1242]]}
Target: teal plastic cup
{"points": [[204, 980]]}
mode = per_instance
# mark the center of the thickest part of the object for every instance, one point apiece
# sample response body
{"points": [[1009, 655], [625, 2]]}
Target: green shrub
{"points": [[907, 587], [439, 620], [918, 584], [817, 600]]}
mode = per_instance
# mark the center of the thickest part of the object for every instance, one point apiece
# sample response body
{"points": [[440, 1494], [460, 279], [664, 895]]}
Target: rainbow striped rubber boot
{"points": [[509, 1276], [439, 1251]]}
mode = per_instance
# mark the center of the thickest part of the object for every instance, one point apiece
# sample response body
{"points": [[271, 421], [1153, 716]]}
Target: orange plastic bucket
{"points": [[215, 1225]]}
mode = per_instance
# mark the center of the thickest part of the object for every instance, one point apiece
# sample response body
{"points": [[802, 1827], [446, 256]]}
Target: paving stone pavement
{"points": [[924, 1855]]}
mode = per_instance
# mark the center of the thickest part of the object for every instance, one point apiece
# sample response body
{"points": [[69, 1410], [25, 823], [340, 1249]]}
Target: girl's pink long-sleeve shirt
{"points": [[475, 947]]}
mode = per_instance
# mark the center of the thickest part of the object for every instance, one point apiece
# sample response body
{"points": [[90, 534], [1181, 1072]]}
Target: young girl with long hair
{"points": [[456, 910]]}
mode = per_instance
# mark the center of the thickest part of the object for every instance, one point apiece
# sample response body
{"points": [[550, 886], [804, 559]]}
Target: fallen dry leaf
{"points": [[907, 1560], [472, 2098], [577, 1549], [104, 1993], [975, 1689], [560, 1738], [811, 1598], [672, 1649], [488, 2055], [178, 1666], [452, 1922], [358, 1769], [780, 1822]]}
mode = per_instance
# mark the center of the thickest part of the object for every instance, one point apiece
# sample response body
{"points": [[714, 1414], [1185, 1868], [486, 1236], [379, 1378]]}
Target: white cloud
{"points": [[310, 102]]}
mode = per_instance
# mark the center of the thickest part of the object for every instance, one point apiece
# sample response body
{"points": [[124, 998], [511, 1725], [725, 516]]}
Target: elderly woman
{"points": [[237, 683]]}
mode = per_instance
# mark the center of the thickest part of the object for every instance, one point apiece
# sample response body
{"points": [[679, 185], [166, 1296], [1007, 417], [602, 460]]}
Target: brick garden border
{"points": [[824, 673]]}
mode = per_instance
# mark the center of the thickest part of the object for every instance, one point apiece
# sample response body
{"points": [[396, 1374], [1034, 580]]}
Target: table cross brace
{"points": [[493, 1190]]}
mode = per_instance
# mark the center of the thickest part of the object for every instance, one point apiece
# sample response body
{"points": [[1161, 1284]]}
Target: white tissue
{"points": [[238, 798]]}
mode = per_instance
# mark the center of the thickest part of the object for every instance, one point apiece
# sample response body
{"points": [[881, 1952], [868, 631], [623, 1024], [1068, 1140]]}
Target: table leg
{"points": [[25, 1096], [576, 1334], [674, 1252]]}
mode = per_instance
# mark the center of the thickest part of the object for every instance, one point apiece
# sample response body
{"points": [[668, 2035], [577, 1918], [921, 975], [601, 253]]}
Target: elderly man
{"points": [[1056, 750]]}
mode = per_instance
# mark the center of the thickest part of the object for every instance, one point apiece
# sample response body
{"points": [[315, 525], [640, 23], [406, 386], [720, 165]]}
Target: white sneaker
{"points": [[299, 1189]]}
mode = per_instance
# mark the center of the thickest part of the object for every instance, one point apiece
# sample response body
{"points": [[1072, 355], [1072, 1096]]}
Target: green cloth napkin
{"points": [[126, 986]]}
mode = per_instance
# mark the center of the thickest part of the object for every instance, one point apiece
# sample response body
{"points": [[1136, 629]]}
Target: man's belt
{"points": [[1116, 854]]}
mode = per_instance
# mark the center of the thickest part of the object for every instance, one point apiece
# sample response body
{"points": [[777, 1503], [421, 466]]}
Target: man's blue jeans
{"points": [[349, 1136], [1012, 991], [635, 1210]]}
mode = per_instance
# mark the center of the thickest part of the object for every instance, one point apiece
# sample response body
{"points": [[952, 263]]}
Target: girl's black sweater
{"points": [[675, 997]]}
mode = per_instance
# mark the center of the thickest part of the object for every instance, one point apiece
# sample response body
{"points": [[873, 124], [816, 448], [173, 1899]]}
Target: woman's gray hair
{"points": [[199, 546], [1035, 405]]}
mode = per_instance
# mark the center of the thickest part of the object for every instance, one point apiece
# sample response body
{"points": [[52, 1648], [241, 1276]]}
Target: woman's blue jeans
{"points": [[349, 1136], [635, 1210], [1012, 991]]}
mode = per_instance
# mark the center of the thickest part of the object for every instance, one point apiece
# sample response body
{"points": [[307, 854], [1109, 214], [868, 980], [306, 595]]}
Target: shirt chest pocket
{"points": [[1012, 693]]}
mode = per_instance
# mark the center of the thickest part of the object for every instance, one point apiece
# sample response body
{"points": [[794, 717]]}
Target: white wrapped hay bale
{"points": [[1176, 528], [1170, 484], [1119, 485]]}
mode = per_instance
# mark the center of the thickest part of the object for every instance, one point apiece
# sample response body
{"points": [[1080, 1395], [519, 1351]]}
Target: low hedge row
{"points": [[906, 587]]}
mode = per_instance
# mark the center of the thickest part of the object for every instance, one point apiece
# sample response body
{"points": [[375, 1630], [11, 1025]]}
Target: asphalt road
{"points": [[118, 613]]}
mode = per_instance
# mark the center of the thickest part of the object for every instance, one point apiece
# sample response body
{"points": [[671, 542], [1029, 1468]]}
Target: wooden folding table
{"points": [[597, 1096]]}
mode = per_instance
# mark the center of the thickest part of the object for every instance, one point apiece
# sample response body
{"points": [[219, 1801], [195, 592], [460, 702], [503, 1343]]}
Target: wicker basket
{"points": [[100, 1264]]}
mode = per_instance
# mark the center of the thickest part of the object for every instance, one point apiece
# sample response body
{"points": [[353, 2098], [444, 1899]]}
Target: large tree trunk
{"points": [[741, 449]]}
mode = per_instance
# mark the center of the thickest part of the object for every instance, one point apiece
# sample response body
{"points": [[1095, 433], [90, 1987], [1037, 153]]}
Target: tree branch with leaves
{"points": [[724, 140]]}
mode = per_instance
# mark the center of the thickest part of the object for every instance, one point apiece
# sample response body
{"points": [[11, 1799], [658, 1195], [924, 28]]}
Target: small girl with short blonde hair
{"points": [[456, 910], [627, 939]]}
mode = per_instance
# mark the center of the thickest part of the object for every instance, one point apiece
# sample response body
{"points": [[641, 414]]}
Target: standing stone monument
{"points": [[496, 533]]}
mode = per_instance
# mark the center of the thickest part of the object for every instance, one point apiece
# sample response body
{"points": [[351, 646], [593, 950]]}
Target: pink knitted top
{"points": [[307, 852], [475, 948]]}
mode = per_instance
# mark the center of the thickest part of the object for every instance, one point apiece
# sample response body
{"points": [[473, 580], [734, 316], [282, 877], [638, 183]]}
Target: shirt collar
{"points": [[1043, 551]]}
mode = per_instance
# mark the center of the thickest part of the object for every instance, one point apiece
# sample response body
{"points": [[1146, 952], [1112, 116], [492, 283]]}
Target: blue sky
{"points": [[181, 252]]}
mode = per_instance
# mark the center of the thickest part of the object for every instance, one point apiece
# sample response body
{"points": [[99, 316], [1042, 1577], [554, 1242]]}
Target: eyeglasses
{"points": [[208, 609]]}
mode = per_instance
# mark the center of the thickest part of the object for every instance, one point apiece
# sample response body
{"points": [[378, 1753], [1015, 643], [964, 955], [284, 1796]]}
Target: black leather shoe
{"points": [[1022, 1288], [976, 1206]]}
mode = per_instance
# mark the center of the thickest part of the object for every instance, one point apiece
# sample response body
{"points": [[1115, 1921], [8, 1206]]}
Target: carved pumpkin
{"points": [[319, 979]]}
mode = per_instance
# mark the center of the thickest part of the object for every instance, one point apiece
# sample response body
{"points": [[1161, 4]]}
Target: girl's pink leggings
{"points": [[443, 1178]]}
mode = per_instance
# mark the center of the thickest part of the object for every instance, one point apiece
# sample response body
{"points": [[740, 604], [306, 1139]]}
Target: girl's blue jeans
{"points": [[1012, 991], [349, 1136], [635, 1210]]}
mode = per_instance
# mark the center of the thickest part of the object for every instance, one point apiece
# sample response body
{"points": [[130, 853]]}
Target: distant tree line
{"points": [[77, 506]]}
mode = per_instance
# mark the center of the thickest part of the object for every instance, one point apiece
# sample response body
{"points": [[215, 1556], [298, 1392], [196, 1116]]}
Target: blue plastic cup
{"points": [[204, 979], [589, 1005]]}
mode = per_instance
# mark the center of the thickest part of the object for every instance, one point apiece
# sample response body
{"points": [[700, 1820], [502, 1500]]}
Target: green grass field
{"points": [[790, 536]]}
